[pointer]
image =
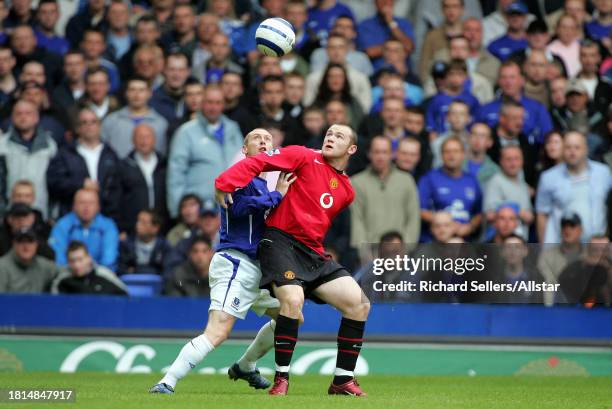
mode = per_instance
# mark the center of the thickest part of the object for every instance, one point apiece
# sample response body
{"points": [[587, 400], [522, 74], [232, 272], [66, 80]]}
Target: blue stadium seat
{"points": [[143, 285]]}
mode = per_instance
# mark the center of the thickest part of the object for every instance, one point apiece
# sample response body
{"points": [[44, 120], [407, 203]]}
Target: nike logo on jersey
{"points": [[317, 161]]}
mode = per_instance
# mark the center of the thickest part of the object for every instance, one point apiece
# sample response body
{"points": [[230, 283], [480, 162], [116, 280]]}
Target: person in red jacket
{"points": [[291, 253]]}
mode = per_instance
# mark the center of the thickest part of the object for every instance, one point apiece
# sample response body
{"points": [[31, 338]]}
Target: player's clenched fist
{"points": [[223, 198]]}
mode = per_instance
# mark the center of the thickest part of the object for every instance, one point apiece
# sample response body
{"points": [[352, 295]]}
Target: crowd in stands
{"points": [[478, 121]]}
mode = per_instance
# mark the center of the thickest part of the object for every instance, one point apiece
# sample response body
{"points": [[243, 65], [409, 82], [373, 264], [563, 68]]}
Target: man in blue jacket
{"points": [[201, 149], [86, 224]]}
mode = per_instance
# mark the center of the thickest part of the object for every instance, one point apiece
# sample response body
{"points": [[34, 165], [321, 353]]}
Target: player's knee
{"points": [[357, 312], [293, 303]]}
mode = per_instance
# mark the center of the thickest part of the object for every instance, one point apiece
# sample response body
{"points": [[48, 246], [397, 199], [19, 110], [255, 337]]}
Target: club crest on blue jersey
{"points": [[273, 152]]}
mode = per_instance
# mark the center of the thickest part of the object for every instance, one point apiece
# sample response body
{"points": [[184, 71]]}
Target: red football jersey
{"points": [[313, 200]]}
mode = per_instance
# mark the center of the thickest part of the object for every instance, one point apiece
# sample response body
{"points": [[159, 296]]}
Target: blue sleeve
{"points": [[545, 122], [425, 192], [58, 240], [430, 115], [406, 27], [544, 199], [247, 204], [365, 39], [110, 244]]}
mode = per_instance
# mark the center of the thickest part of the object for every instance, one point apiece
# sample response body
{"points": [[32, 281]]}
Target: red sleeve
{"points": [[239, 175]]}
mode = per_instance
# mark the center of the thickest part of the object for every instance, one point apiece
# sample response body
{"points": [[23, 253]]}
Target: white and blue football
{"points": [[275, 37]]}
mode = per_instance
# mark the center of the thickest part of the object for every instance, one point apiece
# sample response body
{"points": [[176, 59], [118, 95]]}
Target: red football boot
{"points": [[280, 387], [349, 388]]}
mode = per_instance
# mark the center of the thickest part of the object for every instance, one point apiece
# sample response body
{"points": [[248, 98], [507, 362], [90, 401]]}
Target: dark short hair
{"points": [[415, 110], [391, 235], [457, 64], [200, 239], [271, 78], [96, 70], [75, 245], [190, 196], [156, 219]]}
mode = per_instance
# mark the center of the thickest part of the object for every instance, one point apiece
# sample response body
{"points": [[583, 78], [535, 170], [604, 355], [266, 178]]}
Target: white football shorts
{"points": [[234, 285]]}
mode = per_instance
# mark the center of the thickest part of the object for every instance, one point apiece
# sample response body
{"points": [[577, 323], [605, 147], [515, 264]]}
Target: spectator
{"points": [[395, 61], [414, 122], [536, 84], [93, 47], [142, 180], [162, 12], [233, 91], [147, 33], [182, 36], [567, 44], [458, 118], [578, 115], [88, 163], [408, 157], [505, 223], [536, 122], [294, 93], [148, 63], [47, 16], [450, 189], [599, 91], [118, 127], [323, 14], [344, 26], [508, 133], [495, 24], [585, 281], [442, 227], [378, 192], [392, 85], [515, 38], [479, 86], [598, 28], [83, 276], [72, 86], [168, 100], [189, 211], [33, 71], [271, 97], [306, 40], [26, 49], [96, 97], [146, 252], [20, 12], [578, 185], [118, 34], [21, 216], [208, 26], [574, 8], [509, 186], [438, 38], [201, 149], [211, 71], [51, 119], [207, 225], [554, 258], [479, 60], [27, 150], [374, 31], [358, 83], [190, 279], [22, 270], [8, 82], [551, 153], [93, 16], [517, 268], [452, 89], [336, 113], [313, 121], [537, 39], [86, 224], [558, 86], [477, 162]]}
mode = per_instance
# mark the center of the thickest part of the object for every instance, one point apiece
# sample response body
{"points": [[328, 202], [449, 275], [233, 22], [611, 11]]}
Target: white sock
{"points": [[192, 354], [263, 342]]}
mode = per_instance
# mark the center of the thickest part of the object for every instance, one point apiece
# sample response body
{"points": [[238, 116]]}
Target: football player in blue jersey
{"points": [[234, 277]]}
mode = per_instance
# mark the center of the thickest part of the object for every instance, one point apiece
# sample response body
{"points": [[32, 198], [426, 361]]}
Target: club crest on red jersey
{"points": [[333, 183]]}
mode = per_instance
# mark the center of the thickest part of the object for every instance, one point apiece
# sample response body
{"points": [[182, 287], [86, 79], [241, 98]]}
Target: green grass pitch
{"points": [[95, 390]]}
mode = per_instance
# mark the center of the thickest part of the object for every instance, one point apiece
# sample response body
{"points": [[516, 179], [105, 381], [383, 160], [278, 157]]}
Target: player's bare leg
{"points": [[346, 296], [291, 299]]}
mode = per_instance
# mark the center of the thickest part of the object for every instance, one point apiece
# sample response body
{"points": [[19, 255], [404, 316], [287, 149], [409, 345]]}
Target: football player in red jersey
{"points": [[291, 253]]}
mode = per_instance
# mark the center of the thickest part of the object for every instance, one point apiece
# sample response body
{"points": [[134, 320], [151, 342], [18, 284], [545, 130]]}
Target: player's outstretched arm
{"points": [[288, 159]]}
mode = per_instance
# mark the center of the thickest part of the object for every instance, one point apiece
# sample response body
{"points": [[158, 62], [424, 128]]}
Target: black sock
{"points": [[350, 338], [285, 338]]}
